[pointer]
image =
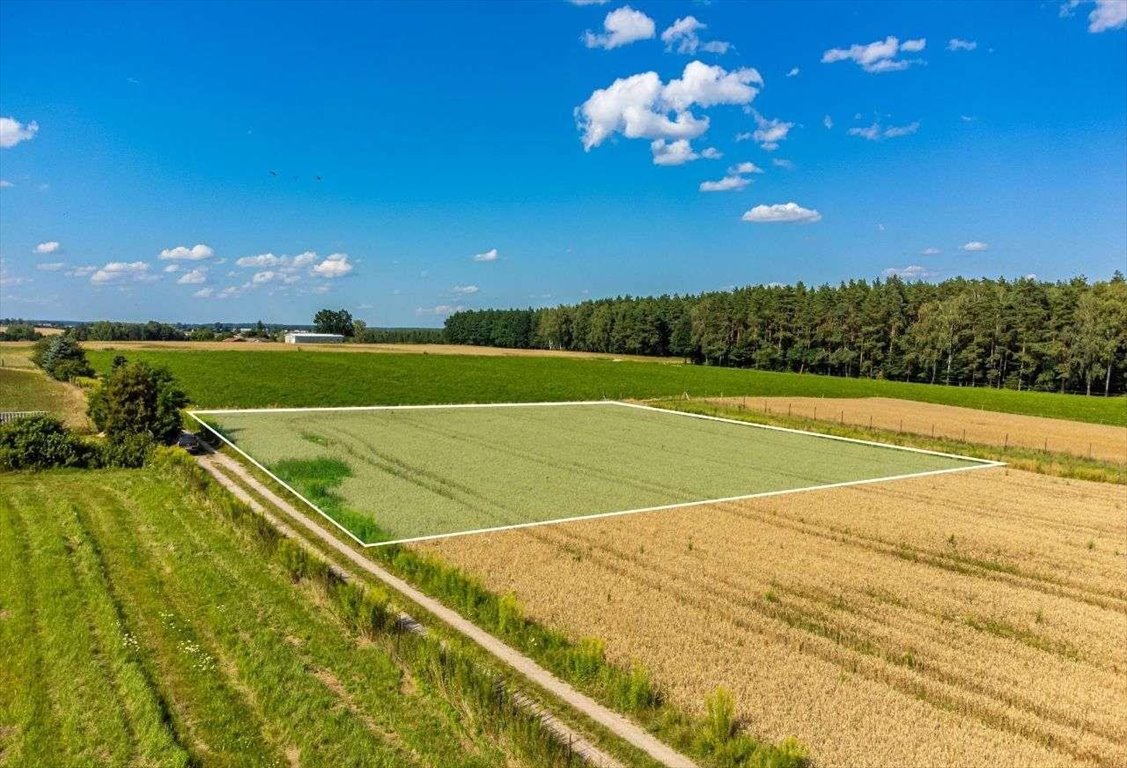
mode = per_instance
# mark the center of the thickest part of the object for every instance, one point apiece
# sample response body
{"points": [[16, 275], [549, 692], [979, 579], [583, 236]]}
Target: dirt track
{"points": [[986, 427], [612, 721]]}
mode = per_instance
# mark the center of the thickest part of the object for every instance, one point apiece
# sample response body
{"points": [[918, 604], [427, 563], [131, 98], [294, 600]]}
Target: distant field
{"points": [[30, 390], [973, 620], [138, 628], [1099, 441], [408, 473], [248, 379]]}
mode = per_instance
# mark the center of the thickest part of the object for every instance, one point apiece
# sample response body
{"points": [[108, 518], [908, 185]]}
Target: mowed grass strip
{"points": [[256, 379], [31, 390], [138, 628], [422, 472]]}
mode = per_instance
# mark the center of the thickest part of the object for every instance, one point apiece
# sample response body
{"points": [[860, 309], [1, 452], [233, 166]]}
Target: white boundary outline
{"points": [[975, 463]]}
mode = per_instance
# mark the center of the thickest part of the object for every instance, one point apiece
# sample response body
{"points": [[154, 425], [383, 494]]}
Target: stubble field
{"points": [[1099, 441], [977, 619]]}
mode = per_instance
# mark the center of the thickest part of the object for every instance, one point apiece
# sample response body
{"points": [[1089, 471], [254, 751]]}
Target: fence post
{"points": [[1006, 445]]}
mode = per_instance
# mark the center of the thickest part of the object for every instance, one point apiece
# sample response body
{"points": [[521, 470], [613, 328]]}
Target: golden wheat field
{"points": [[976, 619], [1098, 441]]}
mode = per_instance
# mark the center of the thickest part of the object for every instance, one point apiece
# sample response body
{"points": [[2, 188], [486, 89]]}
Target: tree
{"points": [[138, 399], [328, 321], [61, 357]]}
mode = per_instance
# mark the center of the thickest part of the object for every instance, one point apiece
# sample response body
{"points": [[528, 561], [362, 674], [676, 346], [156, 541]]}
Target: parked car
{"points": [[190, 443]]}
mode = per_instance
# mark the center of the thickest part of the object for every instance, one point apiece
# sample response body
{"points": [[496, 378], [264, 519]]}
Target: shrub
{"points": [[20, 332], [128, 452], [42, 442], [138, 399]]}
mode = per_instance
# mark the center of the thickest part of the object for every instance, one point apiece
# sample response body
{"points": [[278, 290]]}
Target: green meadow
{"points": [[405, 473], [255, 379]]}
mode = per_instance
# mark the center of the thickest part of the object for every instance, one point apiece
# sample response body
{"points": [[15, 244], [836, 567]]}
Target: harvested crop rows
{"points": [[420, 472], [1098, 441], [977, 619]]}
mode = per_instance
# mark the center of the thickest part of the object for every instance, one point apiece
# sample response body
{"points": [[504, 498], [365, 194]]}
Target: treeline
{"points": [[105, 330], [1024, 334]]}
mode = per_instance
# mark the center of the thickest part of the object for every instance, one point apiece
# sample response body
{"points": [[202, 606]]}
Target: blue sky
{"points": [[402, 160]]}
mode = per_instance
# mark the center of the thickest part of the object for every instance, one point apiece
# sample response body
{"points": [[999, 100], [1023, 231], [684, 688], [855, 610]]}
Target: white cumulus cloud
{"points": [[441, 310], [879, 56], [490, 255], [828, 122], [464, 290], [194, 277], [52, 266], [726, 184], [769, 133], [676, 152], [793, 72], [197, 252], [12, 132], [974, 245], [621, 26], [5, 184], [204, 293], [51, 246], [334, 265], [782, 213], [930, 251], [643, 107], [122, 272], [1106, 15]]}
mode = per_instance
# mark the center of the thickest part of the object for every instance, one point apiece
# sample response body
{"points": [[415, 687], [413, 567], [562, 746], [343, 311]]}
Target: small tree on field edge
{"points": [[138, 399], [330, 321], [61, 357]]}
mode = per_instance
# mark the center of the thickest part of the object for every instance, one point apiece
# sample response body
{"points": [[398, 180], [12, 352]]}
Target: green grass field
{"points": [[242, 379], [406, 473], [30, 390], [137, 627]]}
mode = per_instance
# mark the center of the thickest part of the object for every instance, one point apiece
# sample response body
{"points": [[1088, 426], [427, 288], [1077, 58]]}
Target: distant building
{"points": [[303, 337]]}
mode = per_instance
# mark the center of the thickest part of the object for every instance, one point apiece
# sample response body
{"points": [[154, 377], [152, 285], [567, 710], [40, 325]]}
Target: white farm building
{"points": [[302, 337]]}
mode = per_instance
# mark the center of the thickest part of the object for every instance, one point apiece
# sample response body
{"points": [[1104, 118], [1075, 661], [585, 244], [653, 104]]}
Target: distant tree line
{"points": [[1024, 334]]}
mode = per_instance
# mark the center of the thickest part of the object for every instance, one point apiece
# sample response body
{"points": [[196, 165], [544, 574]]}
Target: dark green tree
{"points": [[138, 399], [330, 321]]}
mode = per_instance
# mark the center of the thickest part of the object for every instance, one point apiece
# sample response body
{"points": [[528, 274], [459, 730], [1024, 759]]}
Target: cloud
{"points": [[682, 36], [53, 266], [643, 107], [746, 167], [956, 44], [622, 26], [195, 277], [769, 132], [793, 72], [913, 272], [875, 132], [12, 132], [5, 184], [1107, 14], [673, 153], [711, 153], [779, 162], [204, 293], [726, 184], [879, 56], [51, 246], [782, 213], [334, 265], [828, 122], [81, 271], [588, 2], [122, 272], [197, 252], [930, 251], [490, 255], [261, 260], [172, 268], [464, 290], [440, 311], [974, 246]]}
